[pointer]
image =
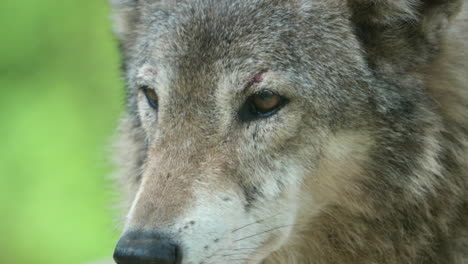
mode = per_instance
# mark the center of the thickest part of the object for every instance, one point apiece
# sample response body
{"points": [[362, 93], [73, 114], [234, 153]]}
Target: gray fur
{"points": [[382, 69]]}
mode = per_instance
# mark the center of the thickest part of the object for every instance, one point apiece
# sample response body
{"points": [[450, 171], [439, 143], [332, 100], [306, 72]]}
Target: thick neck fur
{"points": [[335, 235]]}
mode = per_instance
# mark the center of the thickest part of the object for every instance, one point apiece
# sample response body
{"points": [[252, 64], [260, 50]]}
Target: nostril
{"points": [[142, 248]]}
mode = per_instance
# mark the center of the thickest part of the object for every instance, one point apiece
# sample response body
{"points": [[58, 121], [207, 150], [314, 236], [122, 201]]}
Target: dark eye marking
{"points": [[151, 97]]}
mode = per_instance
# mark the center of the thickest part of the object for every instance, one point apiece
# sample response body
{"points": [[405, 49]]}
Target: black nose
{"points": [[145, 248]]}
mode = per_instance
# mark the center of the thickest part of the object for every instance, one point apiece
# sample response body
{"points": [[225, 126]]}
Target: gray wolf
{"points": [[294, 131]]}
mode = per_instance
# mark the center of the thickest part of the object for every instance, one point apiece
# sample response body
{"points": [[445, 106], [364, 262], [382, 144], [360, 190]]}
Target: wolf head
{"points": [[252, 124]]}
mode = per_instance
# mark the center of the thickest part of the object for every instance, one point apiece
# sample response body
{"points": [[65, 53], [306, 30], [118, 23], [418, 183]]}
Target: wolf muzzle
{"points": [[139, 247]]}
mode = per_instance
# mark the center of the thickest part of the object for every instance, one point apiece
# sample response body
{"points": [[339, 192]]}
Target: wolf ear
{"points": [[401, 35], [127, 14]]}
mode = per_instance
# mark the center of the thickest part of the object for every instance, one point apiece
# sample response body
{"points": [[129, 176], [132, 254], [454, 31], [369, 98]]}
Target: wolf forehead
{"points": [[243, 35]]}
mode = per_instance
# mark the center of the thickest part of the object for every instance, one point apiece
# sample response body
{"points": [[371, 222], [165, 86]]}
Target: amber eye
{"points": [[265, 102], [151, 96], [261, 105]]}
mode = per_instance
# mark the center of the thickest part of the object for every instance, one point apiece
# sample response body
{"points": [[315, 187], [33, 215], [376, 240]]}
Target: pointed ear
{"points": [[126, 16], [399, 36]]}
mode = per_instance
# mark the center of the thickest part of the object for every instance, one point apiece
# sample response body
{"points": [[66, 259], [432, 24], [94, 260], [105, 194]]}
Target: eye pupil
{"points": [[151, 97]]}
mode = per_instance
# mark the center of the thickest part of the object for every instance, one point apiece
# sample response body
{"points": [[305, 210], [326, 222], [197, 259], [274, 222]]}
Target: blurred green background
{"points": [[61, 96]]}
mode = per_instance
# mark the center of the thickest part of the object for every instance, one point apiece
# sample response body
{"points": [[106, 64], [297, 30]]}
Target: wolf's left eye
{"points": [[265, 102], [151, 96], [261, 105]]}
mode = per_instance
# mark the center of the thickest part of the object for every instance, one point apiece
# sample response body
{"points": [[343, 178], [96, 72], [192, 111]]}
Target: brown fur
{"points": [[367, 163]]}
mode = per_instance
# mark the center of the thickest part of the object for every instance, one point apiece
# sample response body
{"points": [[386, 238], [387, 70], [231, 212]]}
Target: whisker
{"points": [[237, 249], [237, 229], [233, 254], [256, 222], [263, 232], [242, 259]]}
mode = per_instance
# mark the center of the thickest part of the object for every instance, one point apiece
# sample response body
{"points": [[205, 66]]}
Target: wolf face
{"points": [[258, 130]]}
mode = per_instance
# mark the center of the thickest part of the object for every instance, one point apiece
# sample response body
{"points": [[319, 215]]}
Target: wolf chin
{"points": [[294, 131]]}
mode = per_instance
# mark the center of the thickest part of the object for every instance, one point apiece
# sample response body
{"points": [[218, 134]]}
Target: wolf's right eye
{"points": [[151, 97]]}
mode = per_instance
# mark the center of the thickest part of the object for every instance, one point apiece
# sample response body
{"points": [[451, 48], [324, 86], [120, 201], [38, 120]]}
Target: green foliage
{"points": [[61, 95]]}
